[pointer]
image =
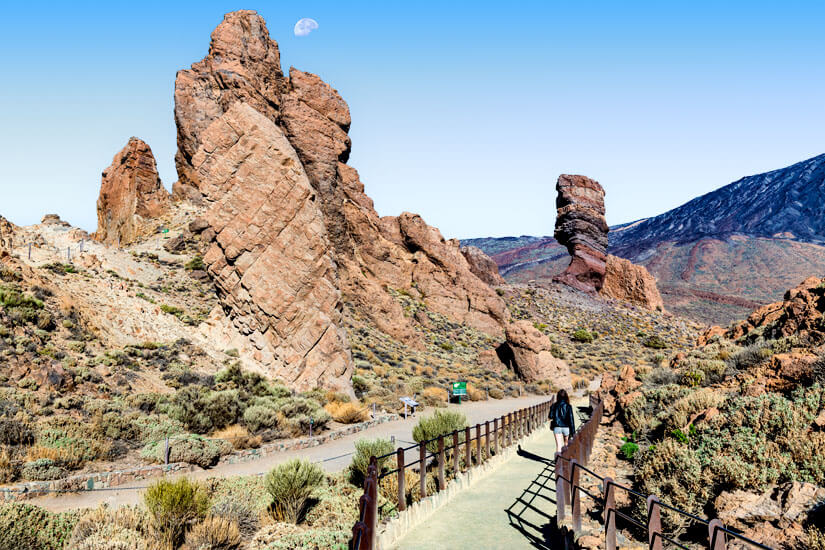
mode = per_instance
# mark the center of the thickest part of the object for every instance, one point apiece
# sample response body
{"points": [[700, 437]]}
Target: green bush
{"points": [[629, 450], [173, 507], [123, 528], [583, 336], [260, 417], [202, 411], [14, 432], [441, 423], [23, 526], [655, 342], [42, 469], [290, 485], [194, 264], [364, 449], [189, 448]]}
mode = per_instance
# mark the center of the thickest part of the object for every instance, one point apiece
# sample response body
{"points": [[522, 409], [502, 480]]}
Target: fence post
{"points": [[487, 436], [456, 451], [716, 538], [422, 482], [575, 498], [478, 443], [495, 433], [371, 488], [565, 468], [402, 479], [468, 450], [509, 429], [441, 483], [559, 490], [654, 523], [609, 514]]}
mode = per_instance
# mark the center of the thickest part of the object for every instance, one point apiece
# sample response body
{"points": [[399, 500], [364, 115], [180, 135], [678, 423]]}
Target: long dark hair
{"points": [[562, 396]]}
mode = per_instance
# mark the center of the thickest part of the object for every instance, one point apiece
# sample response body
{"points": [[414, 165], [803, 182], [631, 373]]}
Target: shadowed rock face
{"points": [[530, 351], [270, 254], [131, 195], [582, 228]]}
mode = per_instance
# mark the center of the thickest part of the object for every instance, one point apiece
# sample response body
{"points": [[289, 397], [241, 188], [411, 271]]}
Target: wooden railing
{"points": [[490, 437], [571, 463]]}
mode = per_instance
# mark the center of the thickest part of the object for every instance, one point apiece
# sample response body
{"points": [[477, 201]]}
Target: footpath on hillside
{"points": [[333, 456], [513, 507]]}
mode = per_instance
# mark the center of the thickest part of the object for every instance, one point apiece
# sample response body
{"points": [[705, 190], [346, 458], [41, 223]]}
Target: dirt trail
{"points": [[333, 456]]}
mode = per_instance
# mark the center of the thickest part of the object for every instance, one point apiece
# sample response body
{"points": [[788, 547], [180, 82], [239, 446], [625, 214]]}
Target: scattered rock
{"points": [[131, 195], [582, 228]]}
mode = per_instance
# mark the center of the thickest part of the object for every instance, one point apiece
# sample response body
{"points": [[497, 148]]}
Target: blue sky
{"points": [[464, 112]]}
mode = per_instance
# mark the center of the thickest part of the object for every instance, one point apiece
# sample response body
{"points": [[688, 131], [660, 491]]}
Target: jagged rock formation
{"points": [[530, 353], [799, 313], [371, 256], [269, 251], [244, 65], [131, 195], [6, 235], [482, 265], [582, 228], [624, 280]]}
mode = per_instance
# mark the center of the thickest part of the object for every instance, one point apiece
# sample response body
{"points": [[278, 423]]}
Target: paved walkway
{"points": [[512, 508], [336, 455]]}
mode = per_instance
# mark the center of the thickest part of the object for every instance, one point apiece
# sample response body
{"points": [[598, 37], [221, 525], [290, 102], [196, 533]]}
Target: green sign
{"points": [[459, 388], [166, 231]]}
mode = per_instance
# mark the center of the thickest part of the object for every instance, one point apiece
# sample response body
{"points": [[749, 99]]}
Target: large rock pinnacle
{"points": [[131, 195], [582, 228]]}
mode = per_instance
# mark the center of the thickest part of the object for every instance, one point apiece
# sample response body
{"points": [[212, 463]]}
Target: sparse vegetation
{"points": [[290, 485]]}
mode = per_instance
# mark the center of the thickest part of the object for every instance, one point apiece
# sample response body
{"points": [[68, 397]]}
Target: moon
{"points": [[305, 26]]}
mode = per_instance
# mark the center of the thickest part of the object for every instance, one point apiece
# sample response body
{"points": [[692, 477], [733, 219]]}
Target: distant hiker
{"points": [[561, 419]]}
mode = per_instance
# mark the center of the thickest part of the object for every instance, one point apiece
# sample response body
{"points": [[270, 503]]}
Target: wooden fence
{"points": [[479, 444]]}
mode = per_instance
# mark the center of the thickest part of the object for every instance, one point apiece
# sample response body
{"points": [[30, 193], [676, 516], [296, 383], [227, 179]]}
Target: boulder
{"points": [[626, 281], [532, 358], [7, 234], [482, 266], [582, 228], [131, 195], [270, 256]]}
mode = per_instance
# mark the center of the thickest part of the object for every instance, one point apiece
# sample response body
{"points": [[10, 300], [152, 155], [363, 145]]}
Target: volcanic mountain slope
{"points": [[716, 257]]}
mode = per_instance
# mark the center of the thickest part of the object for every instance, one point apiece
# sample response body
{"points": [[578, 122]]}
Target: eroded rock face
{"points": [[532, 357], [482, 265], [799, 313], [624, 280], [243, 65], [131, 195], [270, 254], [6, 235], [582, 228]]}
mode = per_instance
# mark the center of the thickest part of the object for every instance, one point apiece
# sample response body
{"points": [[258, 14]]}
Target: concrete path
{"points": [[512, 508], [333, 456]]}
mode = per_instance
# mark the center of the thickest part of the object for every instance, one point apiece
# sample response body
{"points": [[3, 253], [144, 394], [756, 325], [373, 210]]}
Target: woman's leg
{"points": [[566, 439], [559, 442]]}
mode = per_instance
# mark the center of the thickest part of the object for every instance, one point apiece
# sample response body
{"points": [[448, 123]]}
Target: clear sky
{"points": [[464, 112]]}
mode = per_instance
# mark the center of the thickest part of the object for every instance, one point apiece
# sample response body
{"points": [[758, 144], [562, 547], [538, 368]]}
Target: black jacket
{"points": [[561, 416]]}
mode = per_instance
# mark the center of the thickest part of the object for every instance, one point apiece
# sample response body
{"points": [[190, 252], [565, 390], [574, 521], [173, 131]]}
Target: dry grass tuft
{"points": [[239, 437], [348, 413]]}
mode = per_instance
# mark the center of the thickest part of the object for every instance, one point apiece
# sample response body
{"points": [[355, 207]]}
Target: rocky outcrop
{"points": [[624, 280], [582, 228], [269, 254], [243, 65], [131, 195], [482, 265], [6, 235], [775, 517], [532, 358], [800, 313]]}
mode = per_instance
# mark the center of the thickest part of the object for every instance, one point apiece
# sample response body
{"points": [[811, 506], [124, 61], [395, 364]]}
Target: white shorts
{"points": [[561, 431]]}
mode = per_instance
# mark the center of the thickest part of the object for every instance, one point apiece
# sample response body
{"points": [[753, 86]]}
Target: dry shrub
{"points": [[239, 437], [816, 539], [475, 394], [70, 456], [579, 382], [125, 528], [434, 396], [8, 467], [214, 533], [697, 401], [347, 413], [173, 506], [388, 487]]}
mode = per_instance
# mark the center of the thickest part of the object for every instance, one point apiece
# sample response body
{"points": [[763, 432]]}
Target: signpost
{"points": [[409, 402], [459, 390]]}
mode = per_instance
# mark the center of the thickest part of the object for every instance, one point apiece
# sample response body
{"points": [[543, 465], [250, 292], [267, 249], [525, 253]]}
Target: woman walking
{"points": [[561, 419]]}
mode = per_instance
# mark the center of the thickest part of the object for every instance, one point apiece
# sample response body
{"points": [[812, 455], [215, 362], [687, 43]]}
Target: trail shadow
{"points": [[533, 512]]}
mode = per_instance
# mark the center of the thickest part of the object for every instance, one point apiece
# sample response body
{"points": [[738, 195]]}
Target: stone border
{"points": [[105, 480], [391, 532]]}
